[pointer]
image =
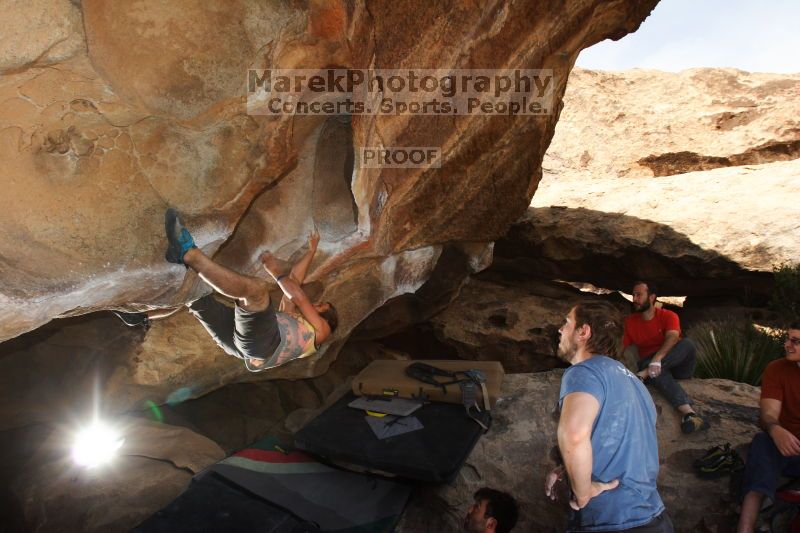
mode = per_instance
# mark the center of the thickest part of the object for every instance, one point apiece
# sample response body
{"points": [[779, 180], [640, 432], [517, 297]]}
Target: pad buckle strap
{"points": [[469, 398]]}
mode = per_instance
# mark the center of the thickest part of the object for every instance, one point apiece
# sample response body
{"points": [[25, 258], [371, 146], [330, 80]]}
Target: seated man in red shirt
{"points": [[776, 451], [664, 356]]}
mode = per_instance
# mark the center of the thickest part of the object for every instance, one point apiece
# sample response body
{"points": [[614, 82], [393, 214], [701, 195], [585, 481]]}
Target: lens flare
{"points": [[179, 396], [158, 416], [96, 444]]}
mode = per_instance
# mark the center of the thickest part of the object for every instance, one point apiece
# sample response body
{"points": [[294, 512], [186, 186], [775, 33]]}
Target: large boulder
{"points": [[56, 35], [149, 110], [671, 177], [642, 123], [726, 214], [513, 321], [514, 456], [684, 256]]}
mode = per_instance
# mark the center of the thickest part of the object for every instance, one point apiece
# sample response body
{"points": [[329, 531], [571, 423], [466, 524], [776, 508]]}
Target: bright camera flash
{"points": [[95, 445]]}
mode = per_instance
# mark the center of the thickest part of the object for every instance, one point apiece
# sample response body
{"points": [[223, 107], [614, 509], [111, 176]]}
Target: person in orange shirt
{"points": [[776, 451], [663, 356]]}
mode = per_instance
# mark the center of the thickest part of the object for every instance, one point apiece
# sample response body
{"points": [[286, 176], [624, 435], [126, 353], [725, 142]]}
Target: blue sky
{"points": [[752, 35]]}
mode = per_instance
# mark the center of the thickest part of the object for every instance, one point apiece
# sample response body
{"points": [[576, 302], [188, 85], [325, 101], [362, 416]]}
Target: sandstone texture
{"points": [[513, 321], [39, 32], [679, 178], [689, 253], [731, 214], [444, 284], [642, 123], [142, 106], [515, 456]]}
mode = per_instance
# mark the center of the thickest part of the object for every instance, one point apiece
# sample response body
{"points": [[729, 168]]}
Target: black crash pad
{"points": [[342, 436]]}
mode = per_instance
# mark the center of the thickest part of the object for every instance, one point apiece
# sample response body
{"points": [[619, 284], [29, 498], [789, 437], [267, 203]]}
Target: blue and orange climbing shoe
{"points": [[179, 239]]}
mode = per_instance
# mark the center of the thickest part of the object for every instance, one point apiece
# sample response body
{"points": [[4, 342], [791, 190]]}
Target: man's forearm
{"points": [[767, 422], [577, 456], [669, 343], [301, 267]]}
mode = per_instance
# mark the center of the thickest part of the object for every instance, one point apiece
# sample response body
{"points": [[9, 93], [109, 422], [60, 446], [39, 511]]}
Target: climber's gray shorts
{"points": [[239, 332]]}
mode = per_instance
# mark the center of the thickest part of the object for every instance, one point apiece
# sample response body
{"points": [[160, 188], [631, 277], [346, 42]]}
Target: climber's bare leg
{"points": [[252, 292]]}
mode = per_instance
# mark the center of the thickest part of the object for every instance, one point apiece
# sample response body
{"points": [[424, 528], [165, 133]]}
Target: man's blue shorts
{"points": [[765, 466]]}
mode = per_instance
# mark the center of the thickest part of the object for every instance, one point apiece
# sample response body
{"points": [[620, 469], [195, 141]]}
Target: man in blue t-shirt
{"points": [[606, 430]]}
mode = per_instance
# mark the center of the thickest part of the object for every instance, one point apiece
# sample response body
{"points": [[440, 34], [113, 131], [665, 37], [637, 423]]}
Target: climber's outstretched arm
{"points": [[298, 272]]}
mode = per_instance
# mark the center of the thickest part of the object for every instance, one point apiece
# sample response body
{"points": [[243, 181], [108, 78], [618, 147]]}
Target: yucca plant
{"points": [[735, 350]]}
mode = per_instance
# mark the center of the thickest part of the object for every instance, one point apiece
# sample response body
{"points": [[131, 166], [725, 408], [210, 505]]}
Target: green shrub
{"points": [[786, 296], [735, 350]]}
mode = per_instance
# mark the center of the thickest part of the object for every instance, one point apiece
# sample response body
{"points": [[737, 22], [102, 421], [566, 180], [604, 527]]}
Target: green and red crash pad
{"points": [[212, 503], [292, 486]]}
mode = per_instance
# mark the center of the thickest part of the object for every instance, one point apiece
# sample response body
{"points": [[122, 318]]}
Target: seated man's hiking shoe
{"points": [[720, 465], [691, 423], [179, 239], [712, 455]]}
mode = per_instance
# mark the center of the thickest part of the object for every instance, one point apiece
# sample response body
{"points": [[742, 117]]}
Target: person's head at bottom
{"points": [[492, 511]]}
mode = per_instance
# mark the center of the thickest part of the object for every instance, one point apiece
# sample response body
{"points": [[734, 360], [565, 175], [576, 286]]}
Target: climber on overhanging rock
{"points": [[253, 331]]}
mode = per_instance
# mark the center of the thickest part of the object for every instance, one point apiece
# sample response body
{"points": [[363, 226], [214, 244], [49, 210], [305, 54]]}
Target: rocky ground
{"points": [[515, 455], [49, 494], [682, 177]]}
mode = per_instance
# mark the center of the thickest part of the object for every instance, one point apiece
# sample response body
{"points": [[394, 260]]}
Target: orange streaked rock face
{"points": [[149, 111]]}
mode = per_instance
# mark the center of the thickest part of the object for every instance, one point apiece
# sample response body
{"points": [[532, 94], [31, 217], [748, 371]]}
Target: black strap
{"points": [[427, 374], [468, 384]]}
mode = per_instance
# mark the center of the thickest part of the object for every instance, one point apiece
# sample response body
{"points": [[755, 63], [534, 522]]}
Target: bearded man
{"points": [[606, 430], [663, 356]]}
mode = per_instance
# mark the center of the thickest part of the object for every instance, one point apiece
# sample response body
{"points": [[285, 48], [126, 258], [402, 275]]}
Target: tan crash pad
{"points": [[388, 378]]}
